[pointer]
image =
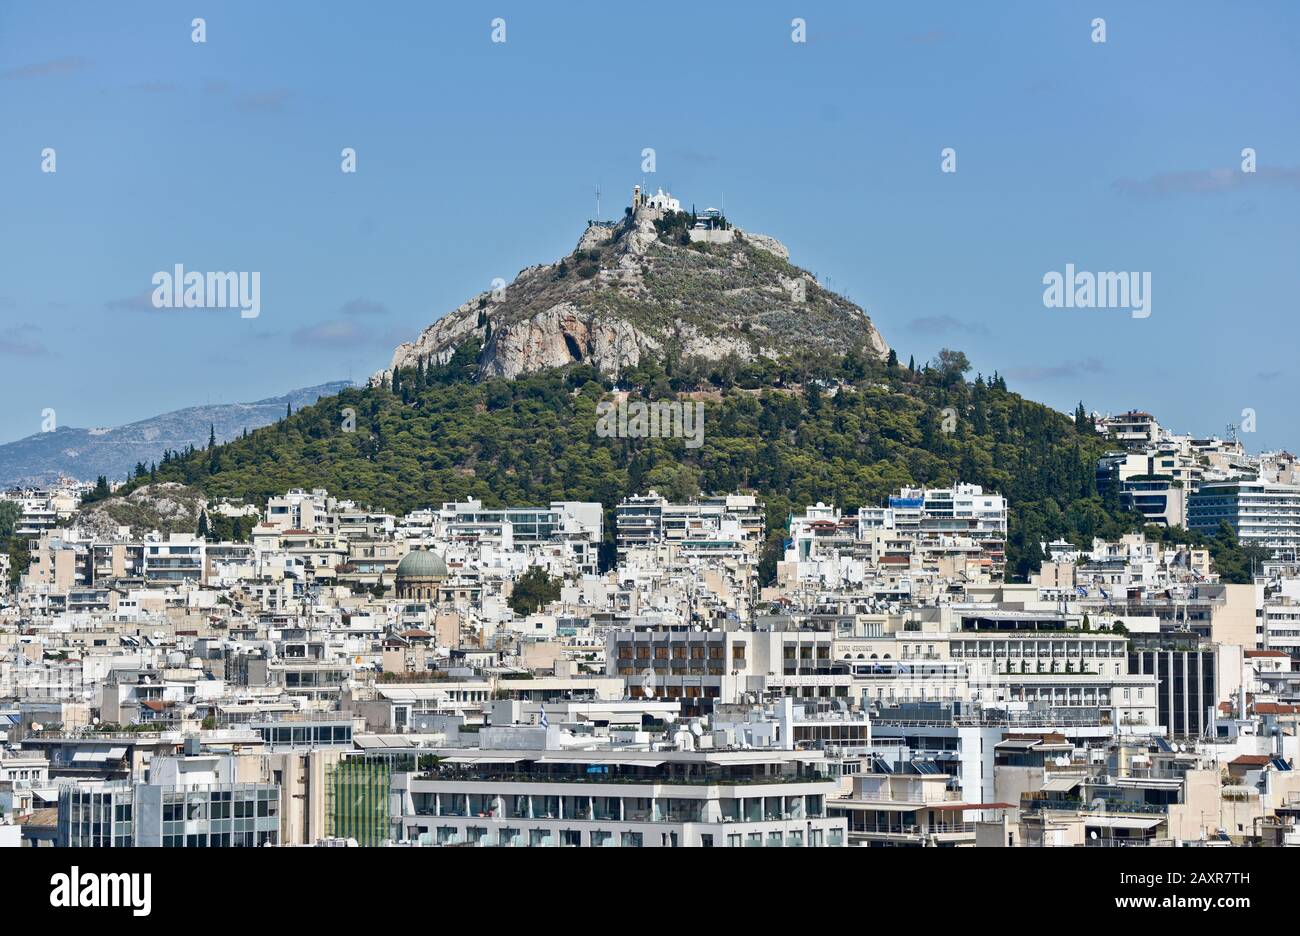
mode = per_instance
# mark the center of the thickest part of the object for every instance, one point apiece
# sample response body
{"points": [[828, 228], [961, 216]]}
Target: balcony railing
{"points": [[446, 776]]}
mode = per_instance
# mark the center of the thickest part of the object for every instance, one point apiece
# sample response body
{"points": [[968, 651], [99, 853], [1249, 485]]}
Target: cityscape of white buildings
{"points": [[349, 676]]}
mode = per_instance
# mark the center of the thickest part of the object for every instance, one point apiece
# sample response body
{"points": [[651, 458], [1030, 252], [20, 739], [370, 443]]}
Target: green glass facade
{"points": [[358, 801]]}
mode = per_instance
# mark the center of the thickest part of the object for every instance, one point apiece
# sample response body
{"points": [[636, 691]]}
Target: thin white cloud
{"points": [[1208, 181], [61, 66]]}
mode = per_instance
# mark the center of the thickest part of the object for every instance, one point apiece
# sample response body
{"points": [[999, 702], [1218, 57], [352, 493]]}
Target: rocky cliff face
{"points": [[639, 288]]}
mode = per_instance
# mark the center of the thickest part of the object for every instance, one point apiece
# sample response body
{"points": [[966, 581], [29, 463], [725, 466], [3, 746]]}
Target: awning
{"points": [[1017, 744], [1061, 784], [594, 762], [90, 757], [1122, 822]]}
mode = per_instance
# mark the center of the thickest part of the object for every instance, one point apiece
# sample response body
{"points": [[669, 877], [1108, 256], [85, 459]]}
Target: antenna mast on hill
{"points": [[597, 201]]}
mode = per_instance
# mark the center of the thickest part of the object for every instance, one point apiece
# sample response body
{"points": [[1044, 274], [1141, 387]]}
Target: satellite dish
{"points": [[94, 721], [1092, 835], [36, 726]]}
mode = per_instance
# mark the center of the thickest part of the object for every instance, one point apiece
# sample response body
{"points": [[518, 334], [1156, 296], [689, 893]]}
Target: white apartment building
{"points": [[1155, 482], [1262, 513], [960, 529], [649, 519], [578, 526], [1043, 669], [618, 798], [201, 801], [1279, 629], [179, 558], [299, 510], [1134, 428], [728, 665]]}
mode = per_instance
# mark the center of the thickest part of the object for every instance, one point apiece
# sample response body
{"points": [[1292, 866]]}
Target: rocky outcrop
{"points": [[562, 335], [595, 236], [770, 244], [626, 291], [439, 341], [167, 507]]}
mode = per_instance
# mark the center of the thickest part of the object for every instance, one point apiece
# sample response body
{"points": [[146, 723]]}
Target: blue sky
{"points": [[477, 159]]}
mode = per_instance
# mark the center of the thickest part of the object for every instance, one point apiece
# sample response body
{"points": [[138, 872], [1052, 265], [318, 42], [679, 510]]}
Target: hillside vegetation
{"points": [[847, 430]]}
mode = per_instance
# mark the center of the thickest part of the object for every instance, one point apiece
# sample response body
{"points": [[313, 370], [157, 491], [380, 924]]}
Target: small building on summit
{"points": [[661, 201], [419, 574]]}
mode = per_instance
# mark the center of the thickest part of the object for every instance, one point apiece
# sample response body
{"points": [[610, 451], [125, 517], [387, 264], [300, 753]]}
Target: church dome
{"points": [[421, 563]]}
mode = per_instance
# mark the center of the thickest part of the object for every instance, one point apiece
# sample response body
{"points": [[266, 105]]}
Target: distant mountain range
{"points": [[86, 454]]}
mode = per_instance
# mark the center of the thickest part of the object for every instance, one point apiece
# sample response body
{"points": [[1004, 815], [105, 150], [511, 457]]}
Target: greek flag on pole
{"points": [[542, 721]]}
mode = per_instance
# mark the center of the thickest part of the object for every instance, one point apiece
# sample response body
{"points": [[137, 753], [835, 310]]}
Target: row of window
{"points": [[222, 840], [661, 652], [572, 838]]}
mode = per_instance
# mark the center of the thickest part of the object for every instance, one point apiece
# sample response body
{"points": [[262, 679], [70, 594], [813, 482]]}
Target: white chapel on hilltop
{"points": [[660, 200]]}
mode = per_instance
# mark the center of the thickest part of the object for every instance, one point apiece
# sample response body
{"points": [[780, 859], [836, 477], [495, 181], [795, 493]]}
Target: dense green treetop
{"points": [[868, 428]]}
